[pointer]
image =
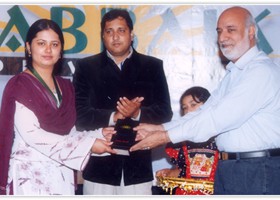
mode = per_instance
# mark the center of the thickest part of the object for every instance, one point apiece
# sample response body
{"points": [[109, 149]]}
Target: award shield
{"points": [[124, 137]]}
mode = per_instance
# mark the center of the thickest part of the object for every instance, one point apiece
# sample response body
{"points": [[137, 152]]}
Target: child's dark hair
{"points": [[199, 95]]}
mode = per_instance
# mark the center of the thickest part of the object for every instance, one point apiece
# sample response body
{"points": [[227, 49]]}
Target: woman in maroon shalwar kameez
{"points": [[39, 144]]}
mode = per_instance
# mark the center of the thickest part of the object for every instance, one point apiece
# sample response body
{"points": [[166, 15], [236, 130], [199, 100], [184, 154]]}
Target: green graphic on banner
{"points": [[18, 20], [78, 21], [263, 43]]}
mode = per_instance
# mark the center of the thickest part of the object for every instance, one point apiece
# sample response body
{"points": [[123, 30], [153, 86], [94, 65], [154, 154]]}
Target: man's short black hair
{"points": [[114, 14]]}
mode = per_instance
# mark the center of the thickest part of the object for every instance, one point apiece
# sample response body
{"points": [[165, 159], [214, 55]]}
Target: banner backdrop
{"points": [[183, 36]]}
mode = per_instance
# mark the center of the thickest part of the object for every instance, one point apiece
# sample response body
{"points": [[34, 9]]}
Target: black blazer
{"points": [[99, 84]]}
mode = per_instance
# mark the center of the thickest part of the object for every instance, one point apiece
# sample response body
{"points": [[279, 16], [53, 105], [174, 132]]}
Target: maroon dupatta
{"points": [[27, 90]]}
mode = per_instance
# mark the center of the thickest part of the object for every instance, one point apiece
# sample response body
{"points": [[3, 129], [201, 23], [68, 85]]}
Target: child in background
{"points": [[192, 160]]}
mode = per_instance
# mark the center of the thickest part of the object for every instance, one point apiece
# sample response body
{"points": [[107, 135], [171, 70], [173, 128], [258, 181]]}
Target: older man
{"points": [[243, 113]]}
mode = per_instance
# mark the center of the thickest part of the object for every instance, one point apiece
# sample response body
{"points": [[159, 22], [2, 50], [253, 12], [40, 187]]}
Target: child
{"points": [[197, 161]]}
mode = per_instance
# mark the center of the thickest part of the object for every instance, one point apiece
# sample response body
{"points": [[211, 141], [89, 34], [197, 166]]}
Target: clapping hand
{"points": [[129, 108]]}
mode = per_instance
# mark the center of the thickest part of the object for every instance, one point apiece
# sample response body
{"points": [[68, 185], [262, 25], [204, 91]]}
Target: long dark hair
{"points": [[199, 95], [40, 25]]}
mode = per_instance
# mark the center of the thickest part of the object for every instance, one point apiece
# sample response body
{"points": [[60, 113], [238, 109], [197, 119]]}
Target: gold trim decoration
{"points": [[169, 183]]}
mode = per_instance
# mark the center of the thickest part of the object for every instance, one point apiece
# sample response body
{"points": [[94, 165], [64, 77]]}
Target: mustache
{"points": [[224, 44]]}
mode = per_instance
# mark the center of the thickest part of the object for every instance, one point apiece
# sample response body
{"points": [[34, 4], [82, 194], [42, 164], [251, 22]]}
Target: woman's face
{"points": [[189, 104], [45, 49]]}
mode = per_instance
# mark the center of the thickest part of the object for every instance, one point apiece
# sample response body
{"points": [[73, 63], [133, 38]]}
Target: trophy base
{"points": [[122, 152]]}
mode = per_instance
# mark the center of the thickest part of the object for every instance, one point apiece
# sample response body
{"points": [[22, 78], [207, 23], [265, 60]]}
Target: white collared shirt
{"points": [[121, 63], [244, 109]]}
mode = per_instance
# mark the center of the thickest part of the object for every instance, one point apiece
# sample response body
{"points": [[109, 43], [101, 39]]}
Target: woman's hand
{"points": [[102, 146], [108, 132]]}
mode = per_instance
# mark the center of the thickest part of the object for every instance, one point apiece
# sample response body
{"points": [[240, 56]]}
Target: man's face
{"points": [[117, 37], [233, 36]]}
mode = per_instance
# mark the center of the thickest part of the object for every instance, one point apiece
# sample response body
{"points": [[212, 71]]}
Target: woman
{"points": [[40, 146], [193, 160]]}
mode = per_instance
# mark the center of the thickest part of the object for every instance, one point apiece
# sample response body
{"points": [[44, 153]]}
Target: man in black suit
{"points": [[116, 84]]}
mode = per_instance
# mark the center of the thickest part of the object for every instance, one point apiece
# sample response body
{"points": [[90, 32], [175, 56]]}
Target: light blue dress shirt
{"points": [[243, 112]]}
